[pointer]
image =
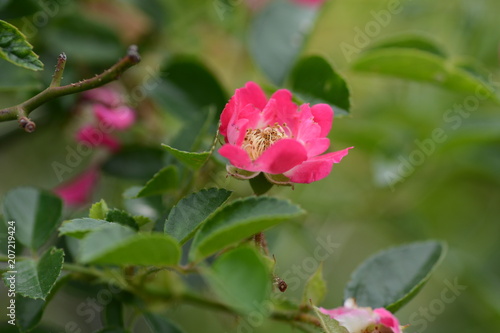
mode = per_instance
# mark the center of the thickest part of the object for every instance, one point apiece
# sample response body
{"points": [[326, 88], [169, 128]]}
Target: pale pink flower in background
{"points": [[120, 118], [96, 138], [78, 190], [104, 95], [364, 320], [277, 137]]}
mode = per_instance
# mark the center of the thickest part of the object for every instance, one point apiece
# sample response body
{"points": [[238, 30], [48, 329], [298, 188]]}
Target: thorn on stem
{"points": [[133, 53]]}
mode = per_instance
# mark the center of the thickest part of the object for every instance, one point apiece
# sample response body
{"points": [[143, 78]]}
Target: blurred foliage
{"points": [[451, 193]]}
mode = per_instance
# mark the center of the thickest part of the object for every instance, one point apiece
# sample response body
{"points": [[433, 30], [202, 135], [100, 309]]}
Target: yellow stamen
{"points": [[258, 140]]}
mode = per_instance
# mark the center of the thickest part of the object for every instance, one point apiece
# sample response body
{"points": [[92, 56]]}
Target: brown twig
{"points": [[55, 90]]}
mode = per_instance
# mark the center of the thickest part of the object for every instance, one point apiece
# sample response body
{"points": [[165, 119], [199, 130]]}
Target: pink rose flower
{"points": [[121, 117], [364, 320], [96, 138], [277, 137], [78, 190]]}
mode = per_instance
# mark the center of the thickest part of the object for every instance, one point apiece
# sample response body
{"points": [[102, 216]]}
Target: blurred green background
{"points": [[454, 195]]}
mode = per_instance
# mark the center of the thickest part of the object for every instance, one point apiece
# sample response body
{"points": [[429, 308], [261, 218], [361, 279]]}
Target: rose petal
{"points": [[335, 312], [282, 156], [236, 132], [323, 115], [95, 138], [120, 118], [307, 129], [106, 96], [388, 319], [316, 168], [316, 147], [237, 157], [248, 117], [280, 109], [78, 190], [353, 319], [250, 94]]}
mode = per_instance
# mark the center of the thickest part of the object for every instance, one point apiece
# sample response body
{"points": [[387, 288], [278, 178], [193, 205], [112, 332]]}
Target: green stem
{"points": [[74, 268], [298, 317], [194, 299], [22, 110], [207, 303], [4, 258], [58, 73]]}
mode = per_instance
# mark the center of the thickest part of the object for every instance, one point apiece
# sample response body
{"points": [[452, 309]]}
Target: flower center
{"points": [[258, 140]]}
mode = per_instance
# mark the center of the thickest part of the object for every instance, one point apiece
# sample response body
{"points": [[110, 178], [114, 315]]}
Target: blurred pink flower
{"points": [[78, 190], [364, 320], [104, 95], [96, 138], [121, 117], [277, 137]]}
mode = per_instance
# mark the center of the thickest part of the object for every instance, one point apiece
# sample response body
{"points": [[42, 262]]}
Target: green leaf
{"points": [[393, 277], [189, 89], [35, 212], [260, 184], [135, 162], [4, 3], [83, 38], [329, 324], [239, 220], [119, 245], [150, 207], [421, 65], [277, 36], [35, 279], [15, 48], [142, 220], [315, 289], [113, 313], [164, 180], [190, 159], [99, 210], [121, 217], [241, 278], [411, 41], [160, 324], [4, 237], [191, 211], [102, 240], [315, 81], [29, 311], [157, 10], [15, 9], [15, 79], [78, 228]]}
